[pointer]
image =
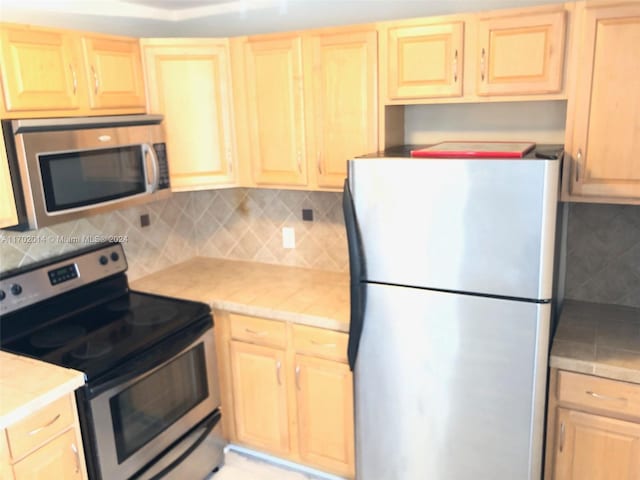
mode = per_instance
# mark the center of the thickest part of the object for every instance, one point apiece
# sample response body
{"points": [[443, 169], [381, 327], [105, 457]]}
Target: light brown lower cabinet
{"points": [[594, 428], [287, 390]]}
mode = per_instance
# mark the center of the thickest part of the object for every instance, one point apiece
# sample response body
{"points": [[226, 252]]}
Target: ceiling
{"points": [[225, 18]]}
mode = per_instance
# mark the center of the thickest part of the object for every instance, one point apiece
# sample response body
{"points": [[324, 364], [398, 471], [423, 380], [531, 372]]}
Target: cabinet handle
{"points": [[599, 396], [77, 455], [299, 162], [278, 367], [256, 333], [96, 82], [229, 160], [298, 377], [482, 60], [319, 163], [320, 344], [561, 437], [75, 78], [48, 424], [455, 66], [578, 162]]}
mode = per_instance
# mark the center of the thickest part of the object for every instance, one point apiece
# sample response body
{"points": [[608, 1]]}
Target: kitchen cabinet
{"points": [[8, 213], [310, 103], [424, 59], [593, 428], [46, 444], [603, 116], [521, 54], [51, 72], [289, 390], [189, 82]]}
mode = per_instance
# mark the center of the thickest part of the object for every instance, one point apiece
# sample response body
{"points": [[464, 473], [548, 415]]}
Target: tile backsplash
{"points": [[242, 224]]}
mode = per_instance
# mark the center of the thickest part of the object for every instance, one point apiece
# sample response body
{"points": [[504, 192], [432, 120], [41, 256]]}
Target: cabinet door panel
{"points": [[114, 73], [606, 144], [344, 102], [57, 459], [521, 55], [189, 85], [275, 111], [260, 399], [325, 414], [591, 447], [39, 70], [425, 61]]}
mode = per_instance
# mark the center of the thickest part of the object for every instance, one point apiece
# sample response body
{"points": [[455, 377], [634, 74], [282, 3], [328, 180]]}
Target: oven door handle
{"points": [[208, 427], [151, 359]]}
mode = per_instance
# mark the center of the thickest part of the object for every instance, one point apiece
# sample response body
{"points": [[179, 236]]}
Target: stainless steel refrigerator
{"points": [[452, 266]]}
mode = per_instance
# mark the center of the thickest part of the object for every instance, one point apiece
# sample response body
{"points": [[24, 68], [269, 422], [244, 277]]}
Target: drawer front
{"points": [[258, 330], [320, 342], [600, 393], [39, 427]]}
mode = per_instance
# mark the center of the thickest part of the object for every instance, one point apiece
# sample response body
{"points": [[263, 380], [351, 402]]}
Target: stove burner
{"points": [[91, 349], [123, 304], [56, 335], [152, 315]]}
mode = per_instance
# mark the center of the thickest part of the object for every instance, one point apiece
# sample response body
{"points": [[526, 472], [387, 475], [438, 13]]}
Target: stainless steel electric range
{"points": [[150, 405]]}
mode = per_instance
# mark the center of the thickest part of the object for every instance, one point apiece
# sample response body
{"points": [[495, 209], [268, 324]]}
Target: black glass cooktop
{"points": [[97, 339]]}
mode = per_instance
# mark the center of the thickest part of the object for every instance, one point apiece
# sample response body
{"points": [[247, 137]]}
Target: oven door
{"points": [[137, 419]]}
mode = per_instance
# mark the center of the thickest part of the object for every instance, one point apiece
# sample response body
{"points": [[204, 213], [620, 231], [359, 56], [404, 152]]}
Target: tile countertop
{"points": [[299, 295], [26, 385], [598, 339]]}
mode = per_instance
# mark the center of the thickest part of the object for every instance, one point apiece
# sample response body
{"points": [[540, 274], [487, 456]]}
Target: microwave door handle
{"points": [[150, 153]]}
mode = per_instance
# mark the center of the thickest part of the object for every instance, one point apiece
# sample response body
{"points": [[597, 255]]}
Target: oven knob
{"points": [[103, 260], [2, 295], [114, 256], [16, 289]]}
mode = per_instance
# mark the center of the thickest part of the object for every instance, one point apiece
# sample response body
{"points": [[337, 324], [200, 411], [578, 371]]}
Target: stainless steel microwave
{"points": [[67, 168]]}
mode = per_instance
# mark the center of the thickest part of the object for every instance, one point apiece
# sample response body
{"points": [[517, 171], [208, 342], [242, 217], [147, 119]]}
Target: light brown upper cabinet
{"points": [[50, 72], [521, 54], [189, 82], [8, 213], [114, 69], [603, 118], [275, 112], [424, 60], [342, 102]]}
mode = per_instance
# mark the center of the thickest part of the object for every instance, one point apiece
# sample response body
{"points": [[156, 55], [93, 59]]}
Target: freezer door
{"points": [[450, 386], [484, 226]]}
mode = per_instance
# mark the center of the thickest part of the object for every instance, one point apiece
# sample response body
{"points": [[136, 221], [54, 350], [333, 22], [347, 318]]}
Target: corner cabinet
{"points": [[593, 428], [50, 72], [189, 82], [287, 390], [603, 124]]}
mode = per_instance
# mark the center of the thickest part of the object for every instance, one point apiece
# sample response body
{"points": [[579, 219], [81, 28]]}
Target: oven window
{"points": [[83, 178], [148, 407]]}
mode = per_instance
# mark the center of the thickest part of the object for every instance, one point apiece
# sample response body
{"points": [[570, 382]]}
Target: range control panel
{"points": [[29, 285]]}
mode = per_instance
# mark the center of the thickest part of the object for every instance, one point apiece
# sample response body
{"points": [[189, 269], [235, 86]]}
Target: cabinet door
{"points": [[273, 69], [60, 458], [606, 138], [8, 214], [425, 61], [521, 55], [114, 73], [39, 70], [189, 84], [259, 396], [325, 414], [344, 113], [591, 447]]}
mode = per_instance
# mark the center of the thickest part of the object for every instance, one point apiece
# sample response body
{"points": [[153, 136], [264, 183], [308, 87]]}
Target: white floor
{"points": [[243, 467]]}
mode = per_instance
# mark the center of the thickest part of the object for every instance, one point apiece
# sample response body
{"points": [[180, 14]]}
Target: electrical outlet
{"points": [[288, 237]]}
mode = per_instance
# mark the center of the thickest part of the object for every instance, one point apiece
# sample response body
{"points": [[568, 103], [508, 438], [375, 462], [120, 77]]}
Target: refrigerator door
{"points": [[450, 386], [483, 226]]}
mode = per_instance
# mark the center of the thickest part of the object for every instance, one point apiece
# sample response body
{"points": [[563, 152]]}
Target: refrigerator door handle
{"points": [[357, 274]]}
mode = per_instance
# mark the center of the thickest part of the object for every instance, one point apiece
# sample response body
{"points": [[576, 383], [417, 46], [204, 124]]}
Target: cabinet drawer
{"points": [[39, 427], [600, 393], [320, 342], [258, 330]]}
